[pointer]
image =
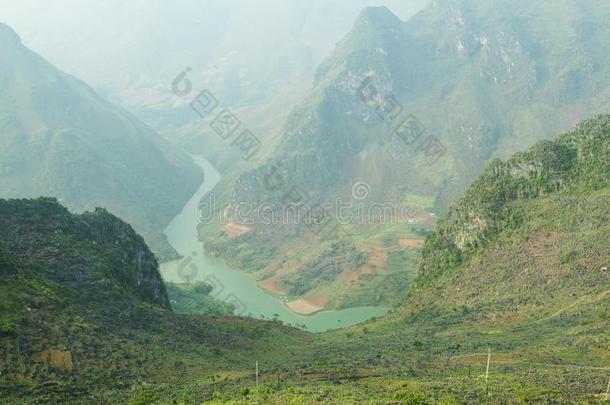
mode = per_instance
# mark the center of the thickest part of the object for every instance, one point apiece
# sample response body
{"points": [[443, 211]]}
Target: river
{"points": [[233, 286]]}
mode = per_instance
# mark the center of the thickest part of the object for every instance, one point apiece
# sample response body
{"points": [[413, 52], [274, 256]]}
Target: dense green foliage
{"points": [[518, 268], [576, 165], [195, 299], [324, 269], [243, 252], [531, 285], [84, 314]]}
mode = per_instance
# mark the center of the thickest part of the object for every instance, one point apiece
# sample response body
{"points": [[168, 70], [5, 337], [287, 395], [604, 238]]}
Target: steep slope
{"points": [[519, 265], [417, 109], [520, 268], [84, 315], [529, 240], [58, 138], [472, 73], [257, 58], [244, 51]]}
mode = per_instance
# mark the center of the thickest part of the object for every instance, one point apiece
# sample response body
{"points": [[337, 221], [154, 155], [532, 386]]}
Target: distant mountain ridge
{"points": [[483, 85], [519, 268], [514, 281], [60, 139], [485, 79]]}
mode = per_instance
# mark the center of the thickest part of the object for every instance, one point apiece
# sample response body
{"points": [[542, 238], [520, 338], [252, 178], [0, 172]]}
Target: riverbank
{"points": [[233, 286]]}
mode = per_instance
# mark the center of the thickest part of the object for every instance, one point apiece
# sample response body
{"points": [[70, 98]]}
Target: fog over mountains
{"points": [[60, 139], [243, 48], [416, 110], [373, 201]]}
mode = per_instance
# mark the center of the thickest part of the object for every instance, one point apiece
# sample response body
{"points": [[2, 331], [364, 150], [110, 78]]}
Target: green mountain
{"points": [[58, 138], [195, 299], [85, 318], [527, 248], [416, 110], [518, 266], [518, 269], [257, 58], [243, 51]]}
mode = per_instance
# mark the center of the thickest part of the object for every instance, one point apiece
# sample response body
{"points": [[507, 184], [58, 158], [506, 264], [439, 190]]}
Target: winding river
{"points": [[233, 286]]}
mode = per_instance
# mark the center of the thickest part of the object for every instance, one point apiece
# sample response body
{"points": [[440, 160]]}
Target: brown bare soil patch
{"points": [[273, 285], [318, 299], [411, 243], [304, 307], [234, 230], [377, 258], [59, 359]]}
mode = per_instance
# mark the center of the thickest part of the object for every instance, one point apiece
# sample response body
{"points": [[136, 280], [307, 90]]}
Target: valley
{"points": [[532, 230], [424, 219], [234, 286], [61, 139], [462, 75]]}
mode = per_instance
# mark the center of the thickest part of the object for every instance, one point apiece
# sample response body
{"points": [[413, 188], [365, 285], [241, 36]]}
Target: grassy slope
{"points": [[195, 299], [83, 311], [516, 269]]}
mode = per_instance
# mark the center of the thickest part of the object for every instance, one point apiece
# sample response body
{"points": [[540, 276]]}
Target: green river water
{"points": [[234, 286]]}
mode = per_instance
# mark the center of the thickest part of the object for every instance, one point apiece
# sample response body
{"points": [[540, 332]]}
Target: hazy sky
{"points": [[106, 41]]}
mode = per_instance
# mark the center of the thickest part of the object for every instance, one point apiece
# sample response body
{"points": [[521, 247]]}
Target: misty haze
{"points": [[304, 202]]}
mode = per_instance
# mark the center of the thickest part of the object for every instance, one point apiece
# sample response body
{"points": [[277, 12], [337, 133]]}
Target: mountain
{"points": [[511, 302], [518, 270], [59, 138], [414, 110], [85, 318], [258, 58], [520, 266], [528, 241], [243, 50], [482, 79]]}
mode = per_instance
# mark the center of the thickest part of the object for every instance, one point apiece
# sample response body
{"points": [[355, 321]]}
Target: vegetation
{"points": [[195, 299], [84, 313], [486, 80], [519, 268], [324, 269], [507, 301]]}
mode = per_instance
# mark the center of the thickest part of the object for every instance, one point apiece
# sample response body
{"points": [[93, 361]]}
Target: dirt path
{"points": [[411, 243], [587, 298]]}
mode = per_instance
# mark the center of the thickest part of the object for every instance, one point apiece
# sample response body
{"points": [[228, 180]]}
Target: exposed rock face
{"points": [[580, 159], [115, 254], [466, 81]]}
